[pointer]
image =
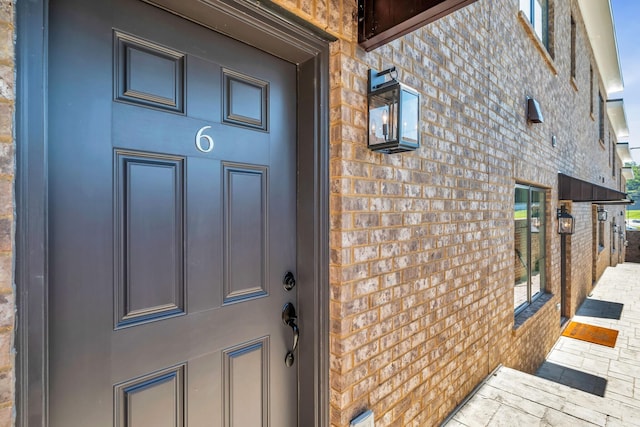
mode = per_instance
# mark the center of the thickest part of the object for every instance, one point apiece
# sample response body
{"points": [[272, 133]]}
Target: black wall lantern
{"points": [[394, 114], [566, 223], [602, 214]]}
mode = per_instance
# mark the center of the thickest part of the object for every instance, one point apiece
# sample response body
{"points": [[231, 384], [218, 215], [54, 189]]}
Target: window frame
{"points": [[613, 235], [530, 13], [532, 295], [591, 91], [601, 126], [612, 144], [600, 235], [573, 47]]}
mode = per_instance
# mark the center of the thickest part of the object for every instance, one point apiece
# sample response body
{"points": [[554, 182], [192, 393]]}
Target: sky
{"points": [[627, 24]]}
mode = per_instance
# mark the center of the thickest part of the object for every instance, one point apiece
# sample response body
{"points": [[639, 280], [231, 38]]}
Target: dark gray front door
{"points": [[172, 221]]}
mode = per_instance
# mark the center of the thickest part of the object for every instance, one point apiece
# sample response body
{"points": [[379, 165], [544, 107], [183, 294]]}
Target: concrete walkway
{"points": [[580, 384]]}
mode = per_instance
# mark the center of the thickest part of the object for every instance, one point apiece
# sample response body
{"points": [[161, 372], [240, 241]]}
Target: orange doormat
{"points": [[590, 333]]}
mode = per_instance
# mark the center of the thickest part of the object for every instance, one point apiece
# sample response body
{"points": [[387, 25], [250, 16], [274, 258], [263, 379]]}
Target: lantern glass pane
{"points": [[565, 224], [538, 253], [409, 108], [521, 242], [383, 117]]}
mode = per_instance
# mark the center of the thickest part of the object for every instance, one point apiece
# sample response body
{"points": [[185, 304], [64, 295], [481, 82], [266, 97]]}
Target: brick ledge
{"points": [[529, 312], [536, 41]]}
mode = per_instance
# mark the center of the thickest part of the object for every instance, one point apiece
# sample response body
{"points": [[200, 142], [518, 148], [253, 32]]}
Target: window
{"points": [[537, 11], [600, 236], [529, 242], [601, 117], [591, 90], [573, 47], [613, 167], [612, 143]]}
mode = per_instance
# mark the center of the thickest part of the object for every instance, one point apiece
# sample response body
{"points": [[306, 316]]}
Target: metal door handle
{"points": [[289, 318], [296, 334]]}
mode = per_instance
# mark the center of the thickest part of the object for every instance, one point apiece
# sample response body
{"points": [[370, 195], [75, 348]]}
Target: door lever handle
{"points": [[289, 318], [296, 334]]}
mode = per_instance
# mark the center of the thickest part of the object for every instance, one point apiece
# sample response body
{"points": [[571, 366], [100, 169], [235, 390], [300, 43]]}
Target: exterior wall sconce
{"points": [[394, 114], [534, 114], [566, 223], [602, 215]]}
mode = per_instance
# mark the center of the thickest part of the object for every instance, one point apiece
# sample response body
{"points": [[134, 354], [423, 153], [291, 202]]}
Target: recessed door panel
{"points": [[246, 222], [246, 381], [155, 400], [245, 100], [149, 214], [148, 74], [172, 222]]}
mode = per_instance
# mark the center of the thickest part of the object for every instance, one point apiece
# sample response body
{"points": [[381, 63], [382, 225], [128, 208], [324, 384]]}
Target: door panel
{"points": [[166, 259], [154, 400], [246, 384], [148, 74], [149, 234], [245, 225]]}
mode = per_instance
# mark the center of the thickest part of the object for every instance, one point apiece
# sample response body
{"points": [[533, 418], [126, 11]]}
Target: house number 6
{"points": [[207, 145]]}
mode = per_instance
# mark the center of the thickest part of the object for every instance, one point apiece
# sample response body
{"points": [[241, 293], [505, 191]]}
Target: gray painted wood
{"points": [[31, 207], [264, 25], [166, 262]]}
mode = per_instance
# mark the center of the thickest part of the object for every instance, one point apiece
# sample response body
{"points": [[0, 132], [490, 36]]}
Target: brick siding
{"points": [[633, 248], [422, 259]]}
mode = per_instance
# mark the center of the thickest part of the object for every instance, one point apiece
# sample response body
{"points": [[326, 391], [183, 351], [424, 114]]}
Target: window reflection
{"points": [[529, 244]]}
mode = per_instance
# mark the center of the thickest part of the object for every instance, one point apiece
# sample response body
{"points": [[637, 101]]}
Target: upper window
{"points": [[529, 241], [612, 143], [538, 13], [601, 117], [591, 90], [573, 47]]}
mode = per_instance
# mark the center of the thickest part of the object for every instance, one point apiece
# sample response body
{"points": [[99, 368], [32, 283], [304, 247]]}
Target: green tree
{"points": [[633, 185]]}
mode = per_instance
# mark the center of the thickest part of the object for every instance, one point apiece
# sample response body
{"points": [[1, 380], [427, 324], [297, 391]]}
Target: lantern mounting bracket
{"points": [[378, 80]]}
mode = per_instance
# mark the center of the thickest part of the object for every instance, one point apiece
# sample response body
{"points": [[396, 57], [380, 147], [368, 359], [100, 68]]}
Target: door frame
{"points": [[261, 24]]}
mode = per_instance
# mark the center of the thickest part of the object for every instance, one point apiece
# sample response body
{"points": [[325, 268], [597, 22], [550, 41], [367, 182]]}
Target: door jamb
{"points": [[305, 46]]}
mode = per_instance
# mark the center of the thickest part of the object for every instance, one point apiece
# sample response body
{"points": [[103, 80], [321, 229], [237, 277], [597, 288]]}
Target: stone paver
{"points": [[580, 384]]}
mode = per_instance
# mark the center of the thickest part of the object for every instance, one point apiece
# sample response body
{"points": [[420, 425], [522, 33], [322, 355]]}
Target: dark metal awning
{"points": [[577, 190], [380, 21]]}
